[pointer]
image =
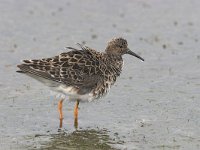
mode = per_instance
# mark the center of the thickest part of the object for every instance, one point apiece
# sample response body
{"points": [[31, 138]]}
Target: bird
{"points": [[83, 74]]}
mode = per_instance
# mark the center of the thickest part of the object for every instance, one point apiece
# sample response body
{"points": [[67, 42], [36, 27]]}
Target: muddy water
{"points": [[153, 105]]}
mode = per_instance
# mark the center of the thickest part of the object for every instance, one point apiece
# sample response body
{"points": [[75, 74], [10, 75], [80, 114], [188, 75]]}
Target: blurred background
{"points": [[153, 105]]}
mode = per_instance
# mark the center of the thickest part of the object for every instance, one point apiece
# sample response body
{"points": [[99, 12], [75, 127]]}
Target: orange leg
{"points": [[76, 114], [60, 111]]}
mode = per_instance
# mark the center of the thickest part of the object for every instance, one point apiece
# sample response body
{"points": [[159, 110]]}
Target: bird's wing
{"points": [[47, 68], [77, 68]]}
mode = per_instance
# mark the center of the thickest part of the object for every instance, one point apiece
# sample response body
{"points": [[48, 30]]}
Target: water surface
{"points": [[153, 105]]}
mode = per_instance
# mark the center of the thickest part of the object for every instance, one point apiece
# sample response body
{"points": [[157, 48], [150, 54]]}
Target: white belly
{"points": [[72, 93]]}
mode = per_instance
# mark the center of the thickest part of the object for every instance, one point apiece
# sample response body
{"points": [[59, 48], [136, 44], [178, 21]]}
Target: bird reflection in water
{"points": [[80, 139]]}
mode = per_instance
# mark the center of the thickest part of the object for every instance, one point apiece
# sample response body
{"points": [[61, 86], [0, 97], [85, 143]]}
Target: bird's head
{"points": [[119, 46]]}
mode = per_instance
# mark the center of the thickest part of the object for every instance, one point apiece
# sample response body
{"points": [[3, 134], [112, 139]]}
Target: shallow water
{"points": [[153, 105]]}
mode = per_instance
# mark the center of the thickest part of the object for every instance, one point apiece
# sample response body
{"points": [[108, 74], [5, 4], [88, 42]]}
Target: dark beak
{"points": [[134, 54]]}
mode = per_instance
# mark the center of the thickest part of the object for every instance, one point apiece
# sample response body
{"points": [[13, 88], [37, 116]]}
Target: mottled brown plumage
{"points": [[83, 74]]}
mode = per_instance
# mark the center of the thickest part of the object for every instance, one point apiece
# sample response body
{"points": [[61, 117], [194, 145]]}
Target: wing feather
{"points": [[76, 67]]}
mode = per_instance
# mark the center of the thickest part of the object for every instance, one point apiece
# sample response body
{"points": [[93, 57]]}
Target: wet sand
{"points": [[153, 105]]}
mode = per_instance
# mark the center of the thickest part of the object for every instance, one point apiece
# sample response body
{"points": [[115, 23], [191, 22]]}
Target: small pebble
{"points": [[180, 43], [94, 36], [175, 23], [164, 46], [15, 45], [114, 25]]}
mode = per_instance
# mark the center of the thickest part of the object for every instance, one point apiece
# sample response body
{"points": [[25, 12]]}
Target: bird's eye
{"points": [[120, 46]]}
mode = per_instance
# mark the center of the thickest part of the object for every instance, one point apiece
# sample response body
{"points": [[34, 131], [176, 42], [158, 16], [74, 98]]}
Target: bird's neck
{"points": [[114, 62], [112, 58]]}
